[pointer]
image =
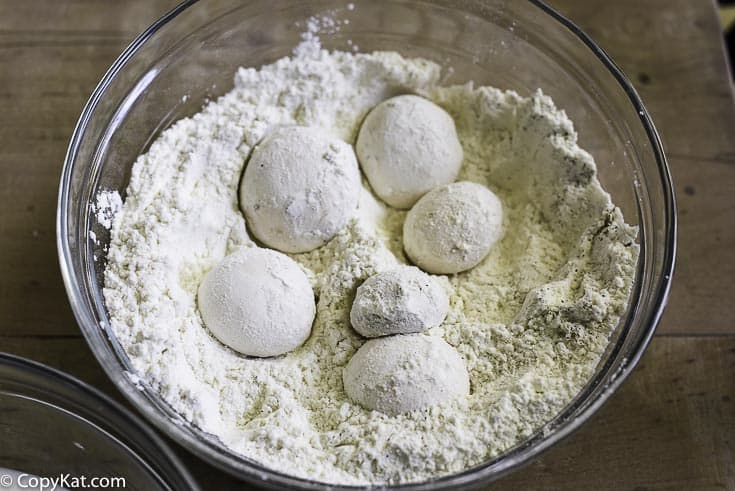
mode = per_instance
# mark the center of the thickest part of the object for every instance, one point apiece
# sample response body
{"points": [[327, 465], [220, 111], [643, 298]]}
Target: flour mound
{"points": [[530, 322]]}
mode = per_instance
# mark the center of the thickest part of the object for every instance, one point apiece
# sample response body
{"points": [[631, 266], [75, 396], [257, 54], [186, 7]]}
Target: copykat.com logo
{"points": [[20, 480]]}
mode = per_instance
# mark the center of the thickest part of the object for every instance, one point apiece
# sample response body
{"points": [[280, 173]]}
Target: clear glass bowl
{"points": [[54, 424], [190, 56]]}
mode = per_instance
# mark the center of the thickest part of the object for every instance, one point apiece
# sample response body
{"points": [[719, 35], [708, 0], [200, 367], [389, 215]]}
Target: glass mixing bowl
{"points": [[52, 424], [190, 55]]}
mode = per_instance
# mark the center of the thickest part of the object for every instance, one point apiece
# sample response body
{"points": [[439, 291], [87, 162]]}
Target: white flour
{"points": [[531, 321]]}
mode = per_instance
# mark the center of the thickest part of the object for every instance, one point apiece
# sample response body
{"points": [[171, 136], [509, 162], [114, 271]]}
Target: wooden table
{"points": [[672, 425]]}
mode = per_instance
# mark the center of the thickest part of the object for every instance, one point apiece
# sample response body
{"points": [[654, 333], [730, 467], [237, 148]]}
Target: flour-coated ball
{"points": [[400, 301], [453, 227], [300, 187], [402, 373], [258, 302], [407, 146]]}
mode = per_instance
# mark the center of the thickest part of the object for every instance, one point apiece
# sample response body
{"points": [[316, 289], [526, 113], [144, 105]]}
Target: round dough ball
{"points": [[407, 146], [258, 302], [453, 227], [403, 373], [401, 301], [299, 188]]}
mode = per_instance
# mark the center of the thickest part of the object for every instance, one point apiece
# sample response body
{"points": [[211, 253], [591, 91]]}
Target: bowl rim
{"points": [[254, 472], [98, 409]]}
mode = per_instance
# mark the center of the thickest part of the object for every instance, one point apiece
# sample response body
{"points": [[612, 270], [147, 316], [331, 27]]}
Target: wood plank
{"points": [[39, 114], [126, 18], [70, 354], [50, 64], [76, 45], [704, 281], [671, 426], [673, 54]]}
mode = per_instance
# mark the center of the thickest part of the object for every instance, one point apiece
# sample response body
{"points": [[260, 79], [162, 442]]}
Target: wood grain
{"points": [[674, 56], [39, 113], [671, 426], [50, 64], [96, 17], [67, 353]]}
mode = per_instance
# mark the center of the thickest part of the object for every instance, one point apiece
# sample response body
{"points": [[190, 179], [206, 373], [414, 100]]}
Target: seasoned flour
{"points": [[531, 321]]}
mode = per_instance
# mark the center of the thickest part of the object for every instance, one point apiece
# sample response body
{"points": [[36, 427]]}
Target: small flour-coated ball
{"points": [[400, 301], [407, 146], [300, 187], [258, 302], [453, 227], [398, 374]]}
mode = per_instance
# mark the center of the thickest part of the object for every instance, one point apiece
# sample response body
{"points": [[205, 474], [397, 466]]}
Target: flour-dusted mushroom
{"points": [[400, 301], [407, 146], [453, 227], [300, 187], [258, 302], [397, 374]]}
